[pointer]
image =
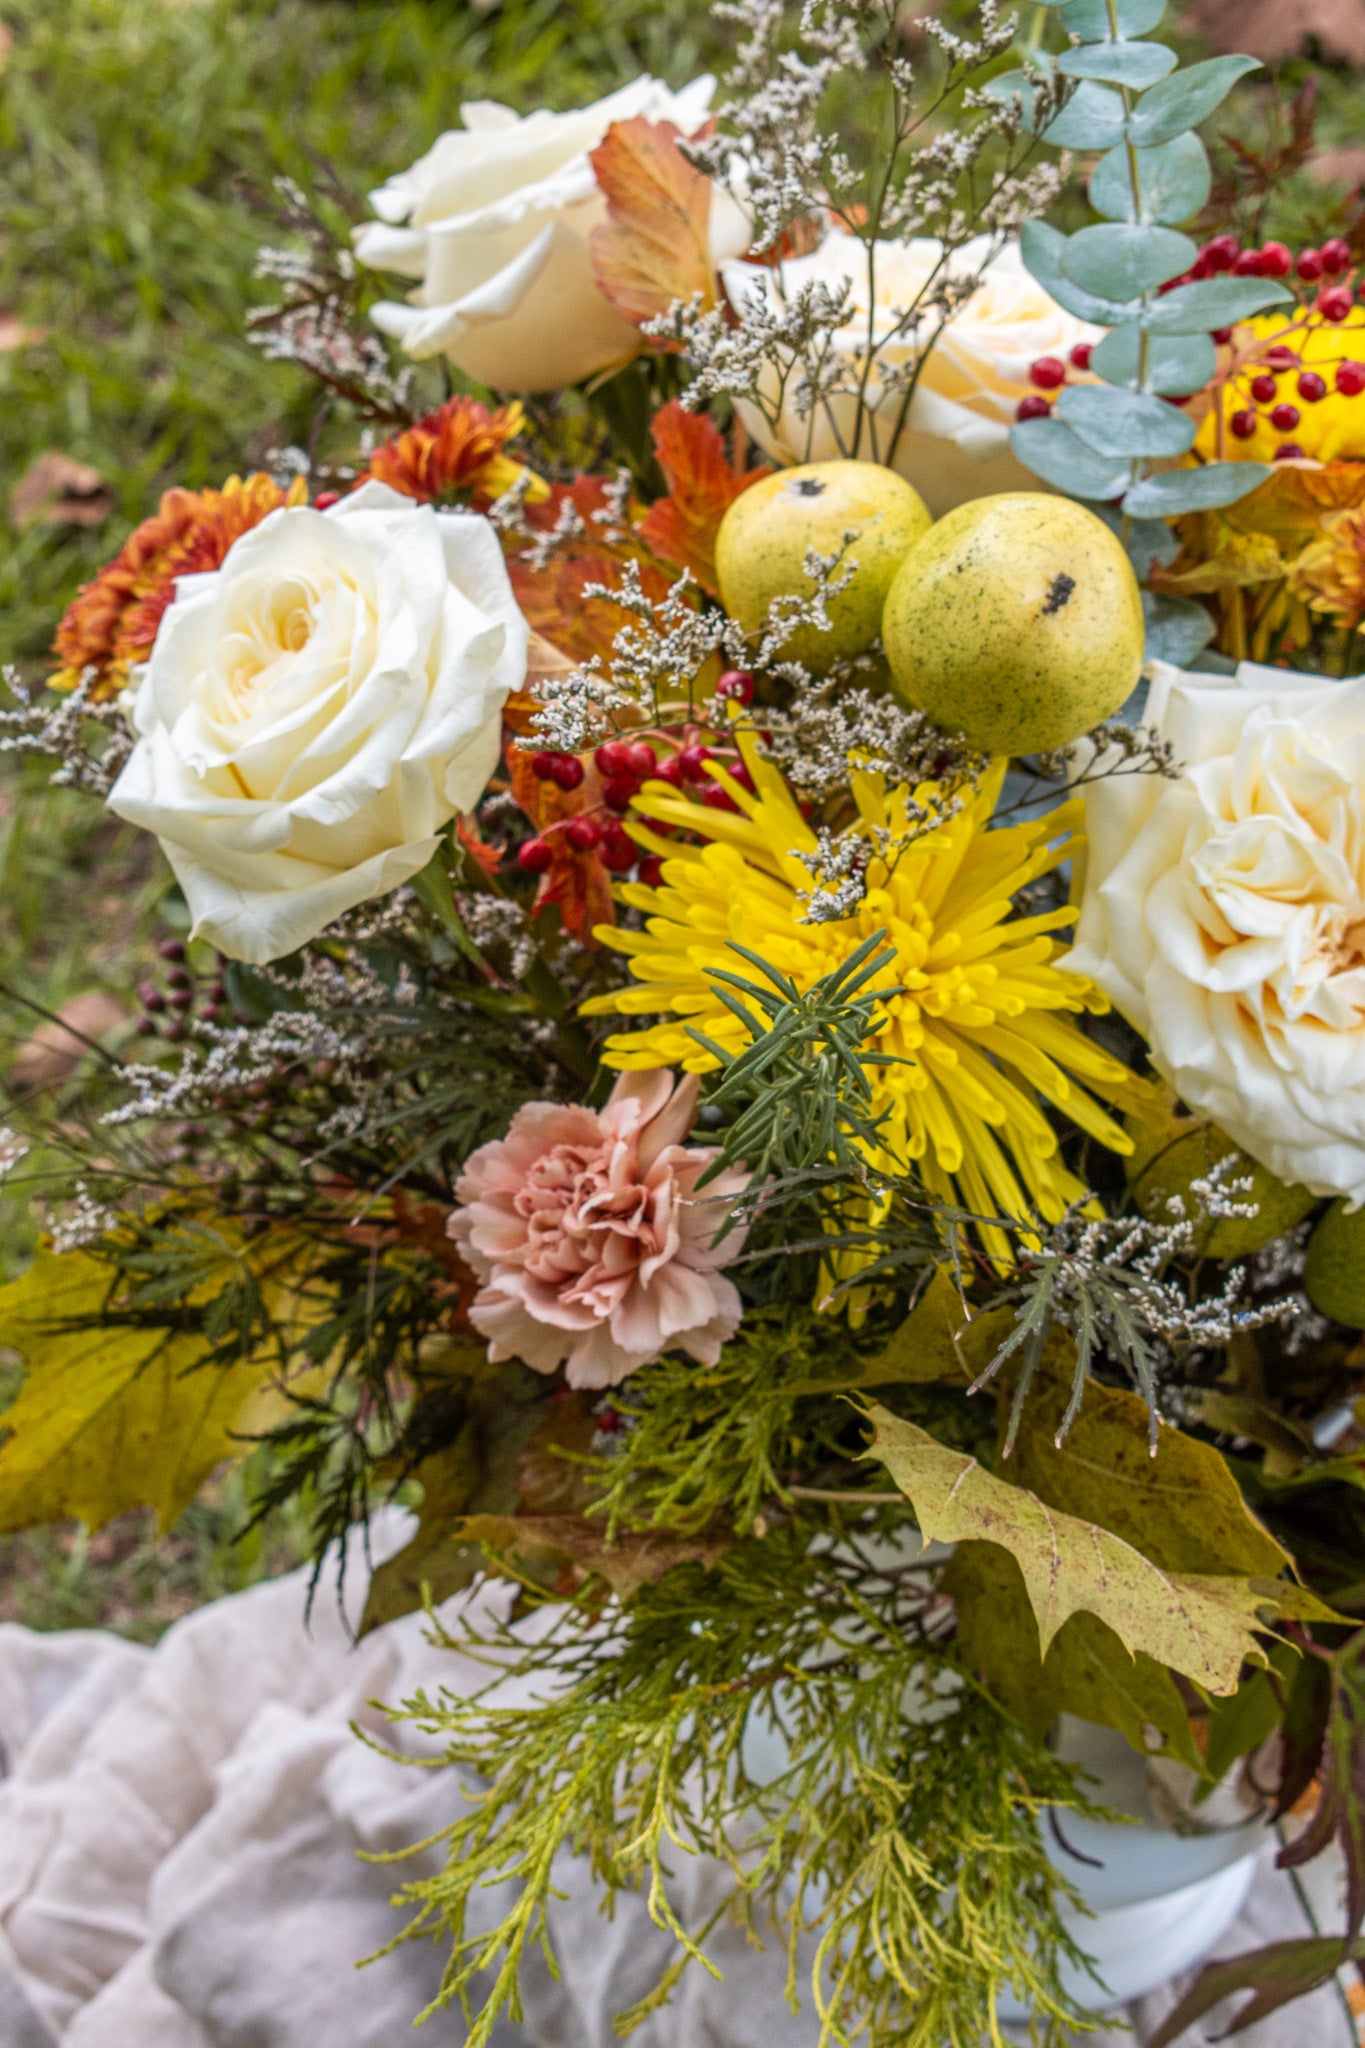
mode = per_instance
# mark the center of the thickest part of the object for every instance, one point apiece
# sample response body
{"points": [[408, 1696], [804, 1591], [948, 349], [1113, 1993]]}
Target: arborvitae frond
{"points": [[914, 1832]]}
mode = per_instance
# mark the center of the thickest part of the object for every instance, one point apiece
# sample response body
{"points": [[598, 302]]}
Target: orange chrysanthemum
{"points": [[459, 447], [1330, 573], [112, 622]]}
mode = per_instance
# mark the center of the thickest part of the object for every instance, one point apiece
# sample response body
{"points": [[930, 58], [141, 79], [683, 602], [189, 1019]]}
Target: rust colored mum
{"points": [[459, 447], [1330, 573], [112, 622]]}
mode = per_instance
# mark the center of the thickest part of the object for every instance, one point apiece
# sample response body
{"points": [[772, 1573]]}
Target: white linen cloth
{"points": [[179, 1830]]}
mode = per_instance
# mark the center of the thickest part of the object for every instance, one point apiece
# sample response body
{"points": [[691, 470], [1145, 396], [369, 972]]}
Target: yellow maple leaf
{"points": [[113, 1413]]}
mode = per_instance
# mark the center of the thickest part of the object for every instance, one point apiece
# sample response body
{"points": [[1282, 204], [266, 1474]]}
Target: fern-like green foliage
{"points": [[897, 1856]]}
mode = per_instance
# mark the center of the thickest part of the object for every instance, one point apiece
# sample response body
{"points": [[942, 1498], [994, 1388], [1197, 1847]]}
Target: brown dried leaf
{"points": [[1274, 30], [59, 491], [55, 1050]]}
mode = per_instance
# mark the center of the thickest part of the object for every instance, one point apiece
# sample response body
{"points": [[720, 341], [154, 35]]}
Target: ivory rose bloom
{"points": [[590, 1238], [314, 711], [955, 441], [1224, 913], [495, 222]]}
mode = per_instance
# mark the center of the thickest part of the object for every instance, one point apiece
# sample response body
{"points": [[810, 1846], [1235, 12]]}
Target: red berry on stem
{"points": [[1032, 409], [1336, 256], [1243, 424], [738, 684], [1248, 264], [534, 856], [543, 765], [1311, 387], [1281, 358], [1081, 354], [1335, 302], [1284, 418], [171, 949], [1275, 260], [670, 770], [619, 793], [1350, 379], [613, 758], [325, 500], [1047, 373], [1309, 265], [582, 834], [716, 798], [567, 771], [1222, 335], [1263, 388], [692, 762], [641, 758], [651, 870], [1222, 252], [739, 773], [619, 851], [1287, 450]]}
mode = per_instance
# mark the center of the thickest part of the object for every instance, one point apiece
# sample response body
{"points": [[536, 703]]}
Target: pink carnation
{"points": [[592, 1246]]}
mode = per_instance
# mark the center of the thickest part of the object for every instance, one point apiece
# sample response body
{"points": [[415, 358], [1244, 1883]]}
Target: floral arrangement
{"points": [[707, 1034]]}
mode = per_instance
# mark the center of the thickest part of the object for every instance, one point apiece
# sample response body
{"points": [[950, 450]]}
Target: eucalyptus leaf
{"points": [[1050, 449], [1177, 628], [1177, 364], [1145, 540], [1093, 118], [1089, 19], [1132, 64], [1185, 99], [1120, 260], [1041, 247], [1213, 302], [1173, 181], [1116, 423], [1194, 490]]}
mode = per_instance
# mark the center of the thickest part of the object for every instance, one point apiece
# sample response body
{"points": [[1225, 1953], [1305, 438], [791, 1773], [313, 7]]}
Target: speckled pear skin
{"points": [[1017, 620], [768, 531]]}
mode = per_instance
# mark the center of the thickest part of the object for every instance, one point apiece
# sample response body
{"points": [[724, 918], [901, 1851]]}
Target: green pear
{"points": [[1016, 620], [769, 530], [1334, 1271]]}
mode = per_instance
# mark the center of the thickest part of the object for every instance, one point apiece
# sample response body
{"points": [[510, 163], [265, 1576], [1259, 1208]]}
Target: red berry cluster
{"points": [[1049, 374], [165, 1012], [1273, 259], [1309, 385]]}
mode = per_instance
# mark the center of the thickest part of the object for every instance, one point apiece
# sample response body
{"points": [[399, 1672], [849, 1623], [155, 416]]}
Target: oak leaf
{"points": [[112, 1414], [1199, 1624], [654, 246], [702, 485]]}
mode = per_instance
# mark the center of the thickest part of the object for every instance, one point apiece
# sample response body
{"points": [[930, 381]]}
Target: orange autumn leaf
{"points": [[702, 486], [487, 857], [654, 246], [577, 882], [552, 597]]}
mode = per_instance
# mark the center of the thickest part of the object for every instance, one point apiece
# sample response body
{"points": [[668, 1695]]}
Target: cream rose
{"points": [[954, 444], [495, 221], [1224, 913], [315, 710]]}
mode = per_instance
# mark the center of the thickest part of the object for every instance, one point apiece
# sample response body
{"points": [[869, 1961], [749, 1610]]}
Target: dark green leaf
{"points": [[1176, 363], [1173, 181], [1132, 64], [1212, 302], [1177, 628], [1186, 99], [1041, 247], [1119, 261], [1194, 490], [1115, 422], [1089, 19], [1053, 452], [1092, 118]]}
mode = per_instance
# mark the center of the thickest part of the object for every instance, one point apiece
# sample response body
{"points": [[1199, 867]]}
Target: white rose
{"points": [[1224, 913], [954, 443], [315, 710], [499, 216]]}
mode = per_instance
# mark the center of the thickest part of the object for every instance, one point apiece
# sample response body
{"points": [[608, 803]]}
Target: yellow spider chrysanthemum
{"points": [[983, 1027]]}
